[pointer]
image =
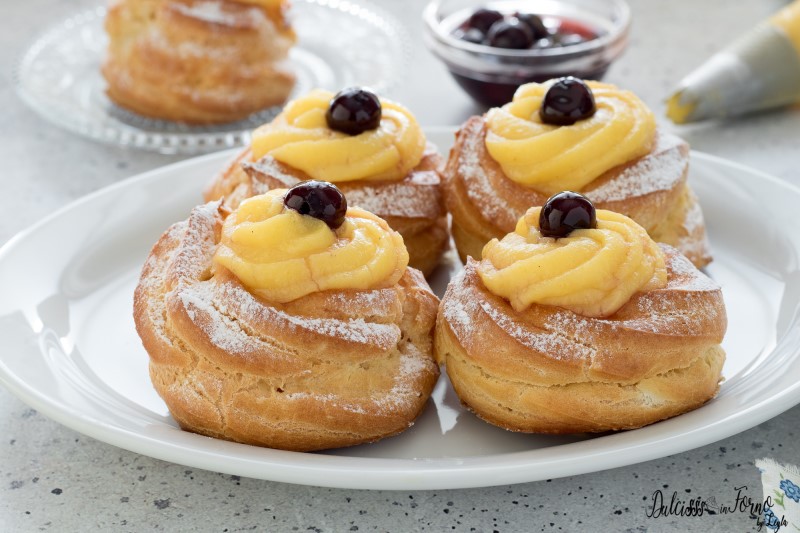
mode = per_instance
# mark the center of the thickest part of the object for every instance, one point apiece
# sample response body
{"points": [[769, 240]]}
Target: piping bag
{"points": [[761, 70]]}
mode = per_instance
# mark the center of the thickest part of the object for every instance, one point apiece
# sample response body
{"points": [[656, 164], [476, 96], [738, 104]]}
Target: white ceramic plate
{"points": [[71, 352], [339, 43]]}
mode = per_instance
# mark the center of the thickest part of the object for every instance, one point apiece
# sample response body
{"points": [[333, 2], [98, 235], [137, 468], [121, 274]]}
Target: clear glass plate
{"points": [[70, 349], [340, 43]]}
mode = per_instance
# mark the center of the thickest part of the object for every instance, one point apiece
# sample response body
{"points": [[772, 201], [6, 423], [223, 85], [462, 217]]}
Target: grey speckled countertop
{"points": [[54, 479]]}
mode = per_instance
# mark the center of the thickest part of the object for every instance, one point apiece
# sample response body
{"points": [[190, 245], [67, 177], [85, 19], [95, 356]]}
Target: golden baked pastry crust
{"points": [[652, 190], [413, 206], [197, 61], [549, 370], [331, 369]]}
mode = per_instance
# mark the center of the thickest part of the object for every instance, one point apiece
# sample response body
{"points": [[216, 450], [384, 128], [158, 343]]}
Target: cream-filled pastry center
{"points": [[281, 255], [592, 272]]}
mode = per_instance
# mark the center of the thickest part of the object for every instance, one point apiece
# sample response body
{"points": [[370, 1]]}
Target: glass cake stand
{"points": [[340, 43]]}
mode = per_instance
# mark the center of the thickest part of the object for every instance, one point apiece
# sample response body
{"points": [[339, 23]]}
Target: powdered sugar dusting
{"points": [[463, 303], [378, 300], [689, 277], [356, 331], [682, 314], [187, 246], [332, 400], [550, 340], [683, 308], [661, 171], [220, 329], [269, 168], [151, 283], [404, 391], [234, 301], [690, 305], [193, 256], [212, 11], [416, 196], [457, 307], [191, 49], [478, 186], [694, 240], [402, 394]]}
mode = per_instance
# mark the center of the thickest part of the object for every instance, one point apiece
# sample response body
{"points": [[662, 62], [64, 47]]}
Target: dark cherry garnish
{"points": [[482, 19], [534, 22], [567, 101], [510, 33], [318, 199], [564, 212], [354, 111]]}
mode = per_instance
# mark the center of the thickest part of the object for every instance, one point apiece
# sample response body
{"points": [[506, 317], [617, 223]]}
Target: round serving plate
{"points": [[71, 351]]}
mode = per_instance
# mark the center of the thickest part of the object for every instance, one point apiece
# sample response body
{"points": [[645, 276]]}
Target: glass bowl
{"points": [[491, 75]]}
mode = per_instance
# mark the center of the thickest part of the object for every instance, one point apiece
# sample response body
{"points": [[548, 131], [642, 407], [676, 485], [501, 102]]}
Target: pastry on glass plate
{"points": [[198, 61], [373, 149], [577, 321], [292, 322], [567, 134]]}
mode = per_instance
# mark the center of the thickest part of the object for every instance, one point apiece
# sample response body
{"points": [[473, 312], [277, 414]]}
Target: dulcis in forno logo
{"points": [[780, 506], [661, 506]]}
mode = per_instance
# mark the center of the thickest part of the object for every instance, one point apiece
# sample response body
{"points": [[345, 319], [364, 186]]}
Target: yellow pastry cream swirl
{"points": [[592, 272], [300, 138], [281, 255], [552, 158]]}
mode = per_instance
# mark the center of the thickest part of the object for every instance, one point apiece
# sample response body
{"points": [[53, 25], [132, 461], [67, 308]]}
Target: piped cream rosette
{"points": [[300, 138], [592, 272], [281, 255], [552, 158]]}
